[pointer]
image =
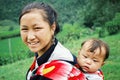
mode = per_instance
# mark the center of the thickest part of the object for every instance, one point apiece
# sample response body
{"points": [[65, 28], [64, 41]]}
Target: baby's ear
{"points": [[103, 63]]}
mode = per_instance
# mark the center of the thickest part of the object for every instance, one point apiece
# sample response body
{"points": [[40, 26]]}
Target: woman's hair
{"points": [[50, 13], [96, 43]]}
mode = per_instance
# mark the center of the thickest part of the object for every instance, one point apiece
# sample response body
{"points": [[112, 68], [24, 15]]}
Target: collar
{"points": [[44, 58]]}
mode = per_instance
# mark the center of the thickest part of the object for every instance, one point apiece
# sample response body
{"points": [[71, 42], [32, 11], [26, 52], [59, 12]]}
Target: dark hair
{"points": [[51, 15], [96, 43]]}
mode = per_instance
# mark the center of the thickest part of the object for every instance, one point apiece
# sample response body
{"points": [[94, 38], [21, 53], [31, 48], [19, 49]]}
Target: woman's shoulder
{"points": [[61, 52]]}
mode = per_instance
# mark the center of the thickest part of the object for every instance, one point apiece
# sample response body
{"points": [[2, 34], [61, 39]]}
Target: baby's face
{"points": [[90, 61]]}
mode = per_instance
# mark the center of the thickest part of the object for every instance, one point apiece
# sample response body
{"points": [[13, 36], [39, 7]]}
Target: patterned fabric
{"points": [[98, 75], [58, 70]]}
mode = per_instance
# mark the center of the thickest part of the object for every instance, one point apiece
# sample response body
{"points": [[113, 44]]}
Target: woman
{"points": [[38, 27]]}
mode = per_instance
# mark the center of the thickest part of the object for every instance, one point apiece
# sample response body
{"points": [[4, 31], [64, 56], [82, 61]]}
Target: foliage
{"points": [[113, 26], [8, 28], [100, 12], [89, 11], [76, 31], [9, 23], [15, 70], [12, 50], [111, 69], [10, 9], [8, 34]]}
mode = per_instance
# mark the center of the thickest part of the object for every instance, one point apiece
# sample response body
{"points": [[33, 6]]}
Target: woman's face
{"points": [[36, 33]]}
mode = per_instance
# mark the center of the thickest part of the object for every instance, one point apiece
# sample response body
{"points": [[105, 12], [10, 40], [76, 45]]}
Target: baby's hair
{"points": [[96, 43]]}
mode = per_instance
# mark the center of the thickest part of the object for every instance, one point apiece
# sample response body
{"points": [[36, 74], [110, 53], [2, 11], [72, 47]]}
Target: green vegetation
{"points": [[69, 11], [8, 28], [90, 14], [12, 50], [111, 69], [15, 71]]}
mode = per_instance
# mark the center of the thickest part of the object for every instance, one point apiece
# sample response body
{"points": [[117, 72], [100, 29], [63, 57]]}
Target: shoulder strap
{"points": [[74, 62]]}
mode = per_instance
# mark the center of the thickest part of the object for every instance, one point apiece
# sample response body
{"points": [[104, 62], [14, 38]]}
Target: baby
{"points": [[91, 57]]}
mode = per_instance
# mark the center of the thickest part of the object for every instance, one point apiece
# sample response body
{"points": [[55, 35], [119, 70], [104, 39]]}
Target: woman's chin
{"points": [[33, 50]]}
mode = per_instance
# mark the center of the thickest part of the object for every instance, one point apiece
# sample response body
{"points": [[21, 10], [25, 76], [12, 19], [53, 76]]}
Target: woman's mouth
{"points": [[33, 43]]}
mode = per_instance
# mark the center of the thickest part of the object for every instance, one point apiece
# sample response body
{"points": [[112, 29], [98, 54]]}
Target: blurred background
{"points": [[79, 20]]}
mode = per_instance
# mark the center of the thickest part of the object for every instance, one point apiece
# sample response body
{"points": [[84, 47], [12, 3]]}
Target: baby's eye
{"points": [[95, 60], [85, 56]]}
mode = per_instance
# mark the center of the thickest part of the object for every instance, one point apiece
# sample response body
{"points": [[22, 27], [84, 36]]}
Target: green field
{"points": [[11, 43], [17, 70], [12, 49]]}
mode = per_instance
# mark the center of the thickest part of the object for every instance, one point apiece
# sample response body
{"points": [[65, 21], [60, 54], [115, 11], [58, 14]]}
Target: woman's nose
{"points": [[31, 35]]}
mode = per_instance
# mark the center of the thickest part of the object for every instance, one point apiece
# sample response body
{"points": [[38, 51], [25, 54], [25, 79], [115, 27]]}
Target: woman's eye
{"points": [[37, 28], [24, 29]]}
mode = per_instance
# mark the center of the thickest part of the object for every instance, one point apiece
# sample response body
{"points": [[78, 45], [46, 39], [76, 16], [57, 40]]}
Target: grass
{"points": [[12, 49], [13, 43], [111, 69], [15, 71]]}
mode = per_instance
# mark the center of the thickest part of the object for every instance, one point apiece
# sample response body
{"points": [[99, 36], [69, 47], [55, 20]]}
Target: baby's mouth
{"points": [[85, 68]]}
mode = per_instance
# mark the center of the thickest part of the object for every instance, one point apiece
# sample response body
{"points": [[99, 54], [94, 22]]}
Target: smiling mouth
{"points": [[32, 43]]}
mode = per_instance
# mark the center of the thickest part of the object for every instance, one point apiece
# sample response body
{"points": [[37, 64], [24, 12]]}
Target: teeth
{"points": [[33, 43]]}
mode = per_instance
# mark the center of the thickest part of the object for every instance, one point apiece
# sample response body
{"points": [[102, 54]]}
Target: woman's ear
{"points": [[53, 27]]}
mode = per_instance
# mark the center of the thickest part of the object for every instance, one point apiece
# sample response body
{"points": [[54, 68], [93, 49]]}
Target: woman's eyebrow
{"points": [[23, 25]]}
